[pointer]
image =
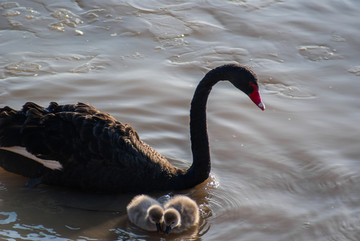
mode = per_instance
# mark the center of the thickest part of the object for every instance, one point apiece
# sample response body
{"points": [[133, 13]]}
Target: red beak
{"points": [[255, 97]]}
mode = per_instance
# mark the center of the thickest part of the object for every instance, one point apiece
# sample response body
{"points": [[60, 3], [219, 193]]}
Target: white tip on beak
{"points": [[261, 106]]}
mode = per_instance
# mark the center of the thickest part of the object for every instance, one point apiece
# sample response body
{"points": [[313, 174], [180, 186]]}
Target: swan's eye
{"points": [[252, 87]]}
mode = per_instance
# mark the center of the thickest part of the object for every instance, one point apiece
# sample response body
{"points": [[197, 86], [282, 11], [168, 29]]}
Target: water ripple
{"points": [[288, 91], [11, 217], [355, 70], [22, 69], [317, 52], [30, 232]]}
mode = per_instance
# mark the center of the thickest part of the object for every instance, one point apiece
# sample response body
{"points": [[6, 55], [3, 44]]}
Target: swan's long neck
{"points": [[200, 168], [244, 80]]}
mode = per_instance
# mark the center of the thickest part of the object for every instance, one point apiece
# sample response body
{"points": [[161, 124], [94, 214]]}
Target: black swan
{"points": [[181, 213], [145, 212], [87, 149]]}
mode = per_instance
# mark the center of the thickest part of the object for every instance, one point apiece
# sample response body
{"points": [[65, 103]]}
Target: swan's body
{"points": [[181, 213], [96, 152], [145, 212]]}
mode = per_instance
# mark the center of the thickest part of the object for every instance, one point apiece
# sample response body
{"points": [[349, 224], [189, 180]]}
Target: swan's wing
{"points": [[92, 147], [70, 133]]}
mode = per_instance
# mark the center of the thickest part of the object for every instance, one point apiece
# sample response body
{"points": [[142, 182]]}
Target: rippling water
{"points": [[291, 172]]}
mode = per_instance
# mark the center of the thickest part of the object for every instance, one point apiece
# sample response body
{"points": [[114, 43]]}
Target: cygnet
{"points": [[145, 212], [181, 213]]}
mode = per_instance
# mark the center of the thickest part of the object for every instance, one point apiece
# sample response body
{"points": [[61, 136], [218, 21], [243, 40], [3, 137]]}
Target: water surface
{"points": [[289, 173]]}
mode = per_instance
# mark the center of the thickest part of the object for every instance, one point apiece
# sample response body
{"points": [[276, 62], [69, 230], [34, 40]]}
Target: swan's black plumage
{"points": [[98, 152]]}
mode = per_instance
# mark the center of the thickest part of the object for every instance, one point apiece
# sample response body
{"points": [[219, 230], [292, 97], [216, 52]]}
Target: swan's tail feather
{"points": [[20, 132], [18, 128], [11, 122]]}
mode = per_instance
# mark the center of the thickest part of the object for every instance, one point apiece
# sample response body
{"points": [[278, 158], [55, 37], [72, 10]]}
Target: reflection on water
{"points": [[10, 217], [289, 173]]}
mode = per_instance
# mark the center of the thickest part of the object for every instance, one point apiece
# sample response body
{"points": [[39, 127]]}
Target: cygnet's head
{"points": [[172, 219], [156, 215]]}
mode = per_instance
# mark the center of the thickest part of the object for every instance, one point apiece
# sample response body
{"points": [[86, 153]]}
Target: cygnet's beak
{"points": [[158, 227], [167, 230]]}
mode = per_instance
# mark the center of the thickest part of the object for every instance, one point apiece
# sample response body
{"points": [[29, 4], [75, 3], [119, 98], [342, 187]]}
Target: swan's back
{"points": [[145, 212], [187, 209]]}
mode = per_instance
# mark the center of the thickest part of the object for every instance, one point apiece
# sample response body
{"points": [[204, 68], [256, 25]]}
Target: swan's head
{"points": [[242, 78], [156, 215], [172, 219]]}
